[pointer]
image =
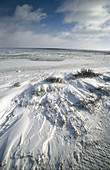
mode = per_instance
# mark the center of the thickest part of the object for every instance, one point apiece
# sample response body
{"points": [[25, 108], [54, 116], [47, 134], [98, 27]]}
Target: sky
{"points": [[75, 24]]}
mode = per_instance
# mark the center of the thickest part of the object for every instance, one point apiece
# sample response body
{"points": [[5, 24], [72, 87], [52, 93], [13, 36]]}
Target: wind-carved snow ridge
{"points": [[60, 121]]}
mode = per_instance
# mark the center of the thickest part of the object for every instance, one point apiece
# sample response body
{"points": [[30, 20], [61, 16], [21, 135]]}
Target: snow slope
{"points": [[53, 120]]}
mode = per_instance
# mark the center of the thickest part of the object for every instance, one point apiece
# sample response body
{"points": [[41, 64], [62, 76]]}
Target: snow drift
{"points": [[54, 121]]}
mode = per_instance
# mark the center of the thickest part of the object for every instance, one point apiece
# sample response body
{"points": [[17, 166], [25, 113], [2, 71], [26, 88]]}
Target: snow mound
{"points": [[56, 123]]}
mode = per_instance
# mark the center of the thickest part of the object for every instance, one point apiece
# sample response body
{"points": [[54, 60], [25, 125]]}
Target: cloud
{"points": [[91, 14], [23, 18], [25, 28], [26, 13], [29, 38], [91, 21]]}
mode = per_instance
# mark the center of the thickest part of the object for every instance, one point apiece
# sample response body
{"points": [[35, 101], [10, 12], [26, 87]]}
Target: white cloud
{"points": [[22, 20], [28, 38], [92, 14], [26, 13], [18, 30], [91, 22]]}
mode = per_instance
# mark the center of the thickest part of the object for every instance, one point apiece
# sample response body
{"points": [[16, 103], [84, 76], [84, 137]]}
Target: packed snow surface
{"points": [[52, 118]]}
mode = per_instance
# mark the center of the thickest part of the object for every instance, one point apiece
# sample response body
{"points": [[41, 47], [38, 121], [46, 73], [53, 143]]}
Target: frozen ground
{"points": [[52, 119]]}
